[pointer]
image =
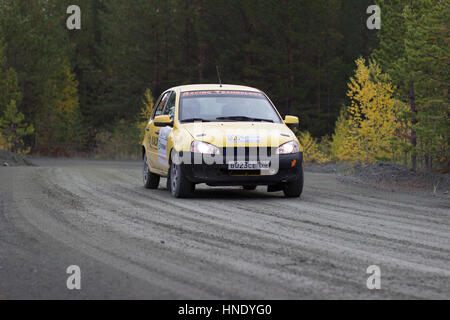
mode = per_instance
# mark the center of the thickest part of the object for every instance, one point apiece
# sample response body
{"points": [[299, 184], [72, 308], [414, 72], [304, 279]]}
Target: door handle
{"points": [[147, 129], [156, 132]]}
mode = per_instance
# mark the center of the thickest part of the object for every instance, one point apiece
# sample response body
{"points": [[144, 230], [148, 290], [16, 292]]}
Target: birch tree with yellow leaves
{"points": [[146, 113], [369, 130]]}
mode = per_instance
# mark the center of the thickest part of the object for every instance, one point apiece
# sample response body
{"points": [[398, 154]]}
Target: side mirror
{"points": [[291, 122], [163, 121]]}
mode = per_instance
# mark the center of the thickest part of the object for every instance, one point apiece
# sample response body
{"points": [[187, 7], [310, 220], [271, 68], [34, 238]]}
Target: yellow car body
{"points": [[173, 132]]}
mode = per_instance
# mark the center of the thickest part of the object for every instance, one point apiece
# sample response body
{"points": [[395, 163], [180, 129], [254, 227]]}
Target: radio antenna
{"points": [[218, 76]]}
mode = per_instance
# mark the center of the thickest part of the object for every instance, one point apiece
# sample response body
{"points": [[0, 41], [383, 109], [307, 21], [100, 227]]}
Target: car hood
{"points": [[241, 134]]}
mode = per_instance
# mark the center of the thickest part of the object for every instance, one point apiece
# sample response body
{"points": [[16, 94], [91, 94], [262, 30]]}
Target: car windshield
{"points": [[226, 106]]}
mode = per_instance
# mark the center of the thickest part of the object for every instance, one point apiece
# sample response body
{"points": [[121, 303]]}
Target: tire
{"points": [[150, 180], [180, 186], [249, 188], [294, 188]]}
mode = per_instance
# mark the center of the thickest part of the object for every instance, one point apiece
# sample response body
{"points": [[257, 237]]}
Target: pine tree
{"points": [[9, 83], [391, 55], [12, 122], [419, 66], [36, 45], [427, 59], [299, 52], [13, 129], [60, 129], [391, 46]]}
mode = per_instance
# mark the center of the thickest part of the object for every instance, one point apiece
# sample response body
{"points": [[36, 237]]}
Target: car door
{"points": [[164, 132], [152, 132]]}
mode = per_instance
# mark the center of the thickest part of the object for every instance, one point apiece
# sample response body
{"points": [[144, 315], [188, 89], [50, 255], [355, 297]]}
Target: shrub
{"points": [[146, 113], [13, 129], [312, 150], [2, 142], [122, 142]]}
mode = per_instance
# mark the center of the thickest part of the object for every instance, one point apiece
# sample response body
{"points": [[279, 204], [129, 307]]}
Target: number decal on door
{"points": [[162, 144]]}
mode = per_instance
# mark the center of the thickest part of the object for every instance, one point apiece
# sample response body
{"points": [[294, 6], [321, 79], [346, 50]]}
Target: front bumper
{"points": [[289, 169]]}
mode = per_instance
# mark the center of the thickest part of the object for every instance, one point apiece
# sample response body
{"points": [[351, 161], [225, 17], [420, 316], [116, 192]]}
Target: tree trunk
{"points": [[201, 61], [318, 84], [405, 159], [290, 61], [156, 64], [187, 41], [166, 49], [413, 138], [201, 44], [290, 57], [429, 162]]}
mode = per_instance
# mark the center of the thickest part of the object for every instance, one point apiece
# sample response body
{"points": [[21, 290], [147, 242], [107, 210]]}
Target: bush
{"points": [[312, 150], [13, 129], [2, 143], [122, 142], [146, 113]]}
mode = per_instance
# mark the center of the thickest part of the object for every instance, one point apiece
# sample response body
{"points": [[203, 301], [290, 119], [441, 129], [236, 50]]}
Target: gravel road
{"points": [[225, 243]]}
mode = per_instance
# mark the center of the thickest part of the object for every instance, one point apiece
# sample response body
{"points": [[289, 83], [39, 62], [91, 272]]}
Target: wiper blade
{"points": [[195, 119], [243, 118]]}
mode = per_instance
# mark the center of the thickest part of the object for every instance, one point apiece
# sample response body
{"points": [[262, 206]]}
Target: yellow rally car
{"points": [[221, 135]]}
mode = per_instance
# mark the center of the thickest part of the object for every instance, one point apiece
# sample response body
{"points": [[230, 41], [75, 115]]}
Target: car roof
{"points": [[196, 87]]}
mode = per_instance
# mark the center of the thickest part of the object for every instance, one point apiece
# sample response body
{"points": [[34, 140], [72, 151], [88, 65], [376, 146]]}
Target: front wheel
{"points": [[150, 180], [294, 188], [180, 186]]}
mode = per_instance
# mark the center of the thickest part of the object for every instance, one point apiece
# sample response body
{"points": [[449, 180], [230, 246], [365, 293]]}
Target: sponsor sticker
{"points": [[221, 92], [162, 144], [243, 138]]}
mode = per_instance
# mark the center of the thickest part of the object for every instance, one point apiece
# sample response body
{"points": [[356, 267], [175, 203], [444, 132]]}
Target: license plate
{"points": [[248, 165]]}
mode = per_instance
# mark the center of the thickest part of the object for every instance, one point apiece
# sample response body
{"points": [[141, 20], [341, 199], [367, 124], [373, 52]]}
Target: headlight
{"points": [[289, 147], [203, 147]]}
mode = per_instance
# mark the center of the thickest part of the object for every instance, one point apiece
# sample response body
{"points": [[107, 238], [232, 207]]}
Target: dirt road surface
{"points": [[224, 243]]}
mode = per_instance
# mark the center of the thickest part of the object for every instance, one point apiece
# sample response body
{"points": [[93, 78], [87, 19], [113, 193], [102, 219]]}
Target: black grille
{"points": [[240, 172]]}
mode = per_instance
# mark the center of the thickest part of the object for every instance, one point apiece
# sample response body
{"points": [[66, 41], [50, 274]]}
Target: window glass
{"points": [[170, 107], [226, 106], [160, 107]]}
